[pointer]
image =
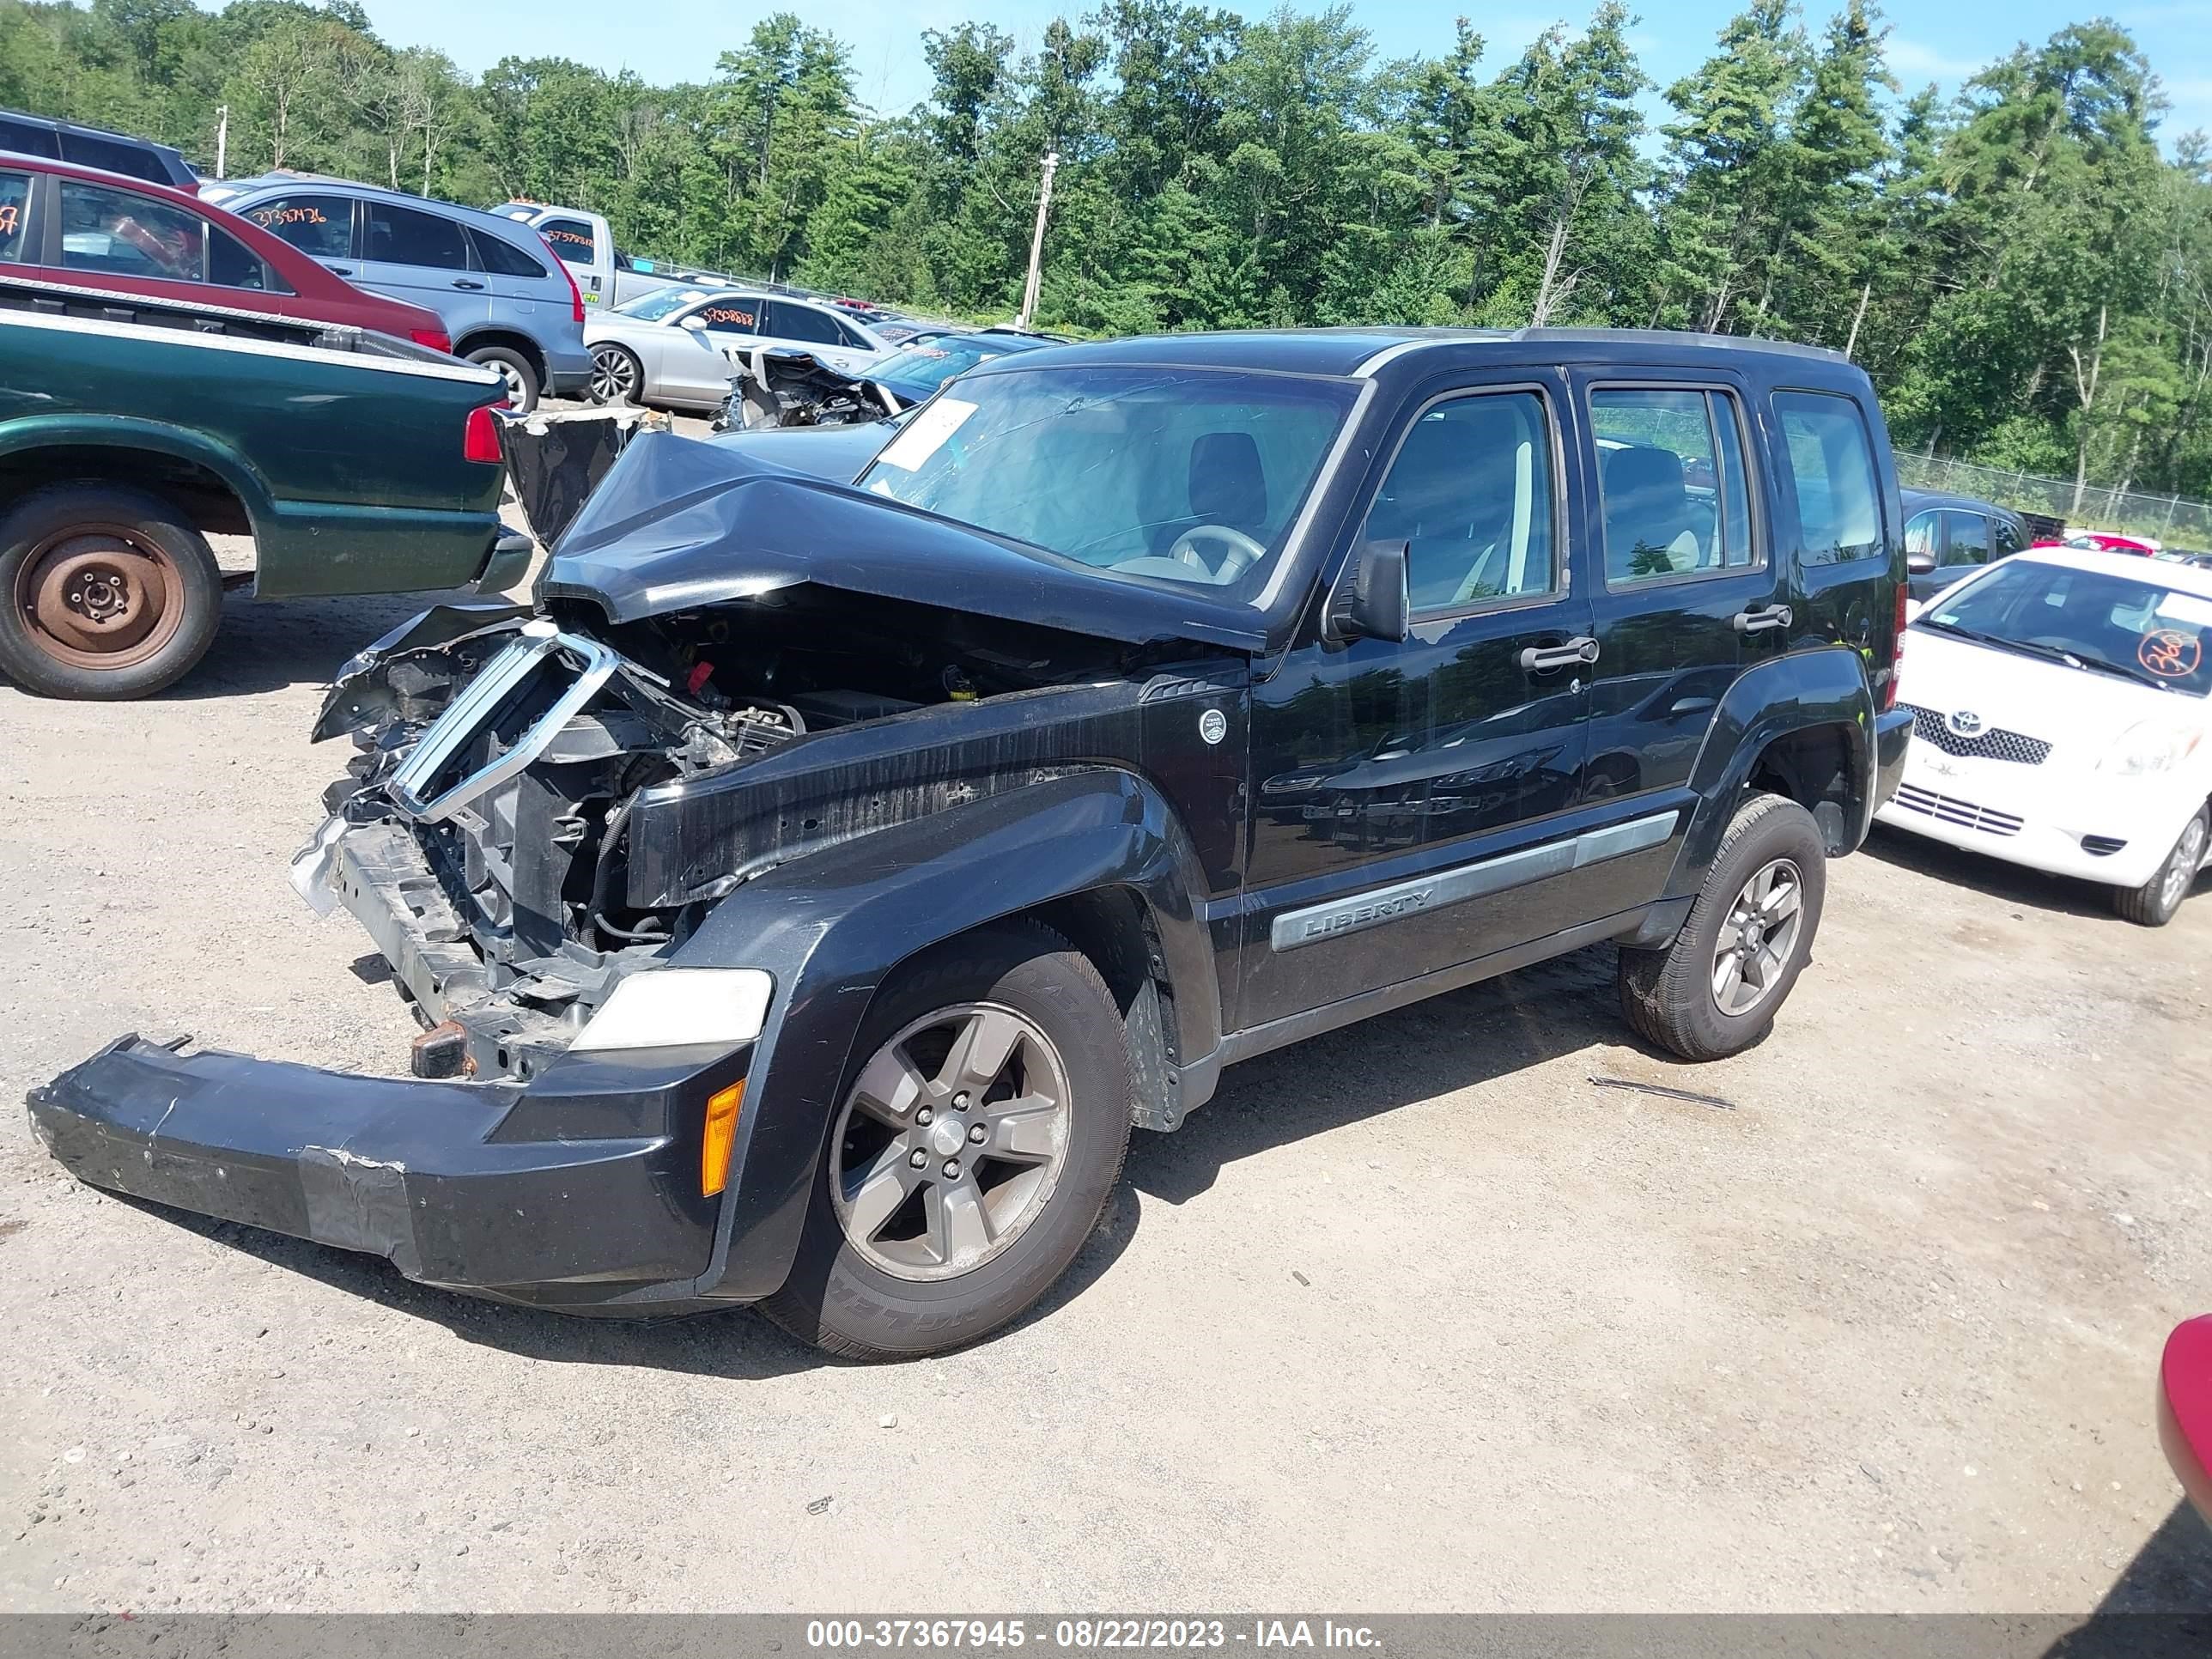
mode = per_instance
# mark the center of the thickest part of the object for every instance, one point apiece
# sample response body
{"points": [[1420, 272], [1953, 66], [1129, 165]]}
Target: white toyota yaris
{"points": [[2060, 721]]}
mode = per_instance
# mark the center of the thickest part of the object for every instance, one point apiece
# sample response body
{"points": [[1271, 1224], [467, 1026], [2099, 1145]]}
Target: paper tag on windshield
{"points": [[926, 434], [2187, 609]]}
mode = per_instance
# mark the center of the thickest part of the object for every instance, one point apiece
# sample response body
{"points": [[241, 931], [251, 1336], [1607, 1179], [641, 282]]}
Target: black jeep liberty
{"points": [[805, 898]]}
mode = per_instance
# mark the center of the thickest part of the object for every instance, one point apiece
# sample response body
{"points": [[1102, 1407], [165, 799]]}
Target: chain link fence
{"points": [[2172, 519]]}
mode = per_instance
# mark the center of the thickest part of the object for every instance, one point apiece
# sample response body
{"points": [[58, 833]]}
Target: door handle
{"points": [[1759, 621], [341, 270], [1536, 658], [463, 281]]}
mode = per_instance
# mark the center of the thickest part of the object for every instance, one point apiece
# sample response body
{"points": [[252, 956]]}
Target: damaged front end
{"points": [[479, 835]]}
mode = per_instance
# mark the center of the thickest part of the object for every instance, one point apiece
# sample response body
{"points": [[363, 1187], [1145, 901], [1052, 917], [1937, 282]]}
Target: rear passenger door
{"points": [[423, 258], [1832, 524], [1682, 580]]}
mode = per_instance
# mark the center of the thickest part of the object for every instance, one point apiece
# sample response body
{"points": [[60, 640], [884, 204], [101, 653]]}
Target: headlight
{"points": [[2149, 746], [669, 1007]]}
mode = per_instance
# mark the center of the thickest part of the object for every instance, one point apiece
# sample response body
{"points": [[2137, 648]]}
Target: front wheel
{"points": [[617, 377], [1716, 990], [980, 1134], [112, 592], [2155, 902]]}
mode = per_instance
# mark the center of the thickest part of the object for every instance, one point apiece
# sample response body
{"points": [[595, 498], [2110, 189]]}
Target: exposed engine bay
{"points": [[484, 833]]}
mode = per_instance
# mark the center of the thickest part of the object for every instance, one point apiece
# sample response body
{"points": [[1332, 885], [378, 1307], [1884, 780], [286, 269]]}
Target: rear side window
{"points": [[1924, 533], [15, 212], [502, 258], [403, 236], [1969, 539], [1831, 465], [1671, 473], [127, 234], [1470, 494], [791, 322], [29, 138], [321, 227], [569, 238], [113, 155], [2008, 539]]}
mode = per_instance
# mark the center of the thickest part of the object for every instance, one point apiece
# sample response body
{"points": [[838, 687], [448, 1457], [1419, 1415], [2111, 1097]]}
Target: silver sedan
{"points": [[673, 346]]}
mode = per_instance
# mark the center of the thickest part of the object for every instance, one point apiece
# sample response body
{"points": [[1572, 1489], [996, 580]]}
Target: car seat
{"points": [[1649, 527]]}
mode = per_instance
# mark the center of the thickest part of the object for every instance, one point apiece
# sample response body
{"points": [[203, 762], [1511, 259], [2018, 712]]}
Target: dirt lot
{"points": [[1411, 1317]]}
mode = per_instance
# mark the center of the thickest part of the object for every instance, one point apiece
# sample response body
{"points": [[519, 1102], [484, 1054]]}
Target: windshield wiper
{"points": [[2049, 653], [2100, 665]]}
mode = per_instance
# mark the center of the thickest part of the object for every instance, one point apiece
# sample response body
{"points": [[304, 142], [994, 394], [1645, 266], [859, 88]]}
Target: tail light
{"points": [[435, 338], [480, 438], [575, 294]]}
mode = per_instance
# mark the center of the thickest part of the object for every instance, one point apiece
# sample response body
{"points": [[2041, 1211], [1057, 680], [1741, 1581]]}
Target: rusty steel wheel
{"points": [[111, 592], [100, 596]]}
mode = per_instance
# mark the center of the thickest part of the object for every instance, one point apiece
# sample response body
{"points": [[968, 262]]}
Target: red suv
{"points": [[68, 224]]}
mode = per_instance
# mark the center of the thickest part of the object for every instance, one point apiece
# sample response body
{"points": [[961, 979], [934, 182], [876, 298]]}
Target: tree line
{"points": [[2021, 267]]}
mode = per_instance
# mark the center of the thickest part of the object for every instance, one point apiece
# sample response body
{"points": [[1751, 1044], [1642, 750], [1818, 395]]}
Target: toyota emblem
{"points": [[1965, 723]]}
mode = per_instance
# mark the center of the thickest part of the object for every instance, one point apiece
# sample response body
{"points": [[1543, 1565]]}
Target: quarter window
{"points": [[1969, 541], [1832, 464], [501, 258], [2008, 538], [402, 236], [1470, 494], [321, 227], [1924, 533], [1671, 476], [15, 213]]}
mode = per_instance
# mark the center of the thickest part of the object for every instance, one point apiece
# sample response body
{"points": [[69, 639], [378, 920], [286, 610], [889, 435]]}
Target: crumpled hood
{"points": [[679, 524], [2071, 707]]}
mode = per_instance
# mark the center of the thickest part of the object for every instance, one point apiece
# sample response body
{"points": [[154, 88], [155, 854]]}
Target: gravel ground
{"points": [[1411, 1317]]}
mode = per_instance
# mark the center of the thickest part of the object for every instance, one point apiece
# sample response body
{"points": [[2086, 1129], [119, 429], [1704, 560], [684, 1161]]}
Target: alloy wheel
{"points": [[2181, 868], [614, 375], [1758, 937], [950, 1141]]}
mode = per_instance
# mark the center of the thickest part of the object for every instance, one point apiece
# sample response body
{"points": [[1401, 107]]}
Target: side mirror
{"points": [[1373, 599], [697, 324], [1920, 564]]}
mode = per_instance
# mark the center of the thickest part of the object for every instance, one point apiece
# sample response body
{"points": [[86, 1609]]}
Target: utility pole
{"points": [[221, 139], [1037, 243]]}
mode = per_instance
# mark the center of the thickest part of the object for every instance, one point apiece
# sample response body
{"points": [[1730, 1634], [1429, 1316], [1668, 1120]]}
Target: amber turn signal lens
{"points": [[721, 1135]]}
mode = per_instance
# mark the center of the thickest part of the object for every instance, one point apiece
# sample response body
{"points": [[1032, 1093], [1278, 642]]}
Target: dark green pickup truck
{"points": [[130, 430]]}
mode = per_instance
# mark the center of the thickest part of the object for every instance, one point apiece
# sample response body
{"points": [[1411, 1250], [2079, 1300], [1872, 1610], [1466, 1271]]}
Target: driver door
{"points": [[1405, 790], [698, 367]]}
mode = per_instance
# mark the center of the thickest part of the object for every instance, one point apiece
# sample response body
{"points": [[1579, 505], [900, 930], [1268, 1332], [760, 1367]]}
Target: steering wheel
{"points": [[1238, 551]]}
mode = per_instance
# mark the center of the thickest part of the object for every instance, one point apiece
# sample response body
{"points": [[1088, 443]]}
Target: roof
{"points": [[100, 175], [239, 188], [2133, 567], [1358, 351]]}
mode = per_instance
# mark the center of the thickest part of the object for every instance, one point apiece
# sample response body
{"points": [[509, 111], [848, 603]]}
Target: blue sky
{"points": [[680, 39]]}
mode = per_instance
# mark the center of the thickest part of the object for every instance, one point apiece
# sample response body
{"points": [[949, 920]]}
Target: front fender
{"points": [[833, 926], [1799, 692]]}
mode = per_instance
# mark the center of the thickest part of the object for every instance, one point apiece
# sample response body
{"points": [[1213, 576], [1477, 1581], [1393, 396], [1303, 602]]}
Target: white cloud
{"points": [[1915, 63]]}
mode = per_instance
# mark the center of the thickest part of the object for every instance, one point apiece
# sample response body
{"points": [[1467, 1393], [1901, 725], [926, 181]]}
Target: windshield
{"points": [[924, 368], [2086, 619], [652, 308], [1186, 475]]}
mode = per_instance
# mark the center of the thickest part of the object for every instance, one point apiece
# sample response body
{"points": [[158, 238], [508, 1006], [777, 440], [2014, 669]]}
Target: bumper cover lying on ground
{"points": [[580, 1190]]}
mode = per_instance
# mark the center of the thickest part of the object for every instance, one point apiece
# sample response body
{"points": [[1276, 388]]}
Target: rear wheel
{"points": [[111, 593], [980, 1134], [514, 368], [2155, 902], [617, 377], [1716, 990]]}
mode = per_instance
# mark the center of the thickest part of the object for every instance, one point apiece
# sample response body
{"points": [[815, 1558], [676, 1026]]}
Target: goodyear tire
{"points": [[111, 593], [1716, 990], [979, 1133]]}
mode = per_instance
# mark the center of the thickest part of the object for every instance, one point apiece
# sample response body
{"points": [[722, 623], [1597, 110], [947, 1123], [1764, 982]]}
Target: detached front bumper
{"points": [[579, 1190]]}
